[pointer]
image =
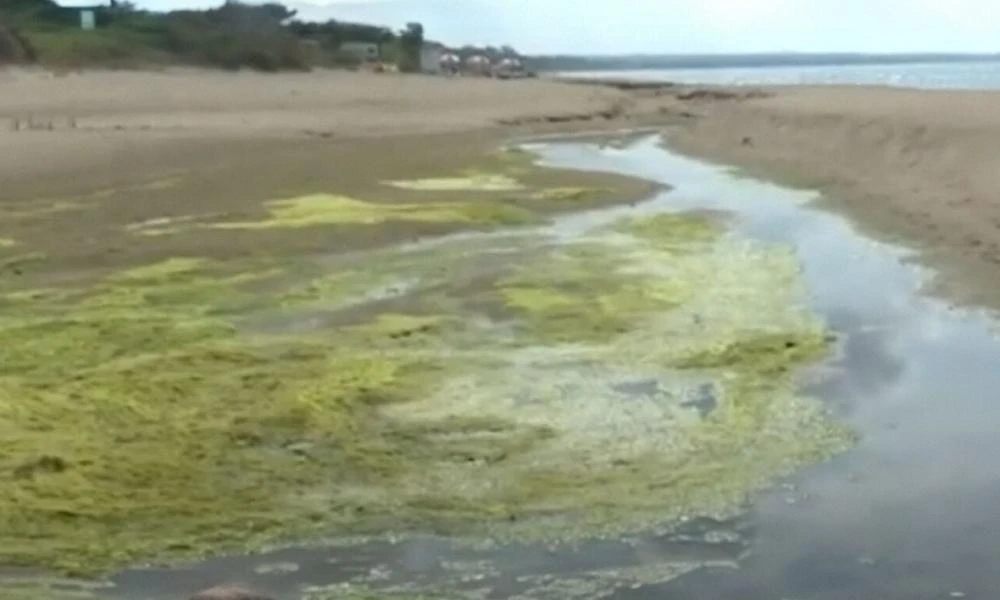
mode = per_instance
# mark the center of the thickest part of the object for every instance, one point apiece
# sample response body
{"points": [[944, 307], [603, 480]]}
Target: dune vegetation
{"points": [[233, 35]]}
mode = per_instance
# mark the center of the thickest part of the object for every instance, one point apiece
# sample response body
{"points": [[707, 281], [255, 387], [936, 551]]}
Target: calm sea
{"points": [[954, 75]]}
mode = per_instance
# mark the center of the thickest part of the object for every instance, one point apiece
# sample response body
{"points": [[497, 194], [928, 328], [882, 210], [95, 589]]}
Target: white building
{"points": [[86, 9], [430, 57]]}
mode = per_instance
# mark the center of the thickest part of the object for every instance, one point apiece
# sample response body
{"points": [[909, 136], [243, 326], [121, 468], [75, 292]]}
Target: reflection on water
{"points": [[911, 513], [438, 567]]}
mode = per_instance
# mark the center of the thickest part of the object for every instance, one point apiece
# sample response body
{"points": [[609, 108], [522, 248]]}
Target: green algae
{"points": [[153, 185], [579, 294], [672, 231], [346, 287], [529, 388], [760, 354], [481, 579], [614, 461], [7, 243], [116, 447], [164, 225], [594, 307], [515, 156], [358, 592], [165, 269], [473, 181], [41, 209], [280, 568], [137, 452], [604, 583], [567, 194], [35, 294], [21, 260], [503, 172], [325, 209], [394, 326], [331, 209], [16, 589], [405, 272]]}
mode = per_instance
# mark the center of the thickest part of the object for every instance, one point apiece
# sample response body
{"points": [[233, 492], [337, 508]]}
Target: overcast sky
{"points": [[677, 26]]}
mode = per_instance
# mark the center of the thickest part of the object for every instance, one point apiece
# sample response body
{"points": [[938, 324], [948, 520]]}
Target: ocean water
{"points": [[952, 75]]}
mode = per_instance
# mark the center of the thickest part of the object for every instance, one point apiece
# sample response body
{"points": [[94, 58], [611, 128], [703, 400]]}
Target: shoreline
{"points": [[912, 167], [234, 182], [268, 234]]}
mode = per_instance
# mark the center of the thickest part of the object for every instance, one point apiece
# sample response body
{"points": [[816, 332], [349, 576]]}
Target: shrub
{"points": [[13, 48], [76, 48]]}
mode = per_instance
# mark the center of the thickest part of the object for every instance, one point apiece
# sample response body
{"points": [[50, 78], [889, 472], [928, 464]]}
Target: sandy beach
{"points": [[219, 143], [94, 119], [181, 237], [918, 167]]}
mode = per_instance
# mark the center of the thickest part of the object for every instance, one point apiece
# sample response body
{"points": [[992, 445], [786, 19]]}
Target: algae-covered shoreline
{"points": [[514, 386]]}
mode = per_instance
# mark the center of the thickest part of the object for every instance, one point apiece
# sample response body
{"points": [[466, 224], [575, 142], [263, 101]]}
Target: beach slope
{"points": [[917, 166]]}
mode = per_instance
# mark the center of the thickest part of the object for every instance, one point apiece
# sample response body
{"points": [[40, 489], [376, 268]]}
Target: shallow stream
{"points": [[911, 512]]}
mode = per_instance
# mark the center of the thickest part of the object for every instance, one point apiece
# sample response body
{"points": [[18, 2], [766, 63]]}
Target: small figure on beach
{"points": [[229, 592]]}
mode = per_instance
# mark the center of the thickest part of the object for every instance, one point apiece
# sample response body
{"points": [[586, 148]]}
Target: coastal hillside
{"points": [[12, 48], [234, 35]]}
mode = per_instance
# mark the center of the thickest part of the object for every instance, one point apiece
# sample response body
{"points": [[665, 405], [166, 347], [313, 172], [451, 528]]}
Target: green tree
{"points": [[411, 42]]}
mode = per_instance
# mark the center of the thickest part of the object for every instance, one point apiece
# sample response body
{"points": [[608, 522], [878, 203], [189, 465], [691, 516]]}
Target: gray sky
{"points": [[679, 26]]}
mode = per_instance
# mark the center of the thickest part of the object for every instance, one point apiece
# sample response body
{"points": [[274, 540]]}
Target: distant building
{"points": [[430, 57], [509, 67], [87, 9], [479, 64], [363, 51]]}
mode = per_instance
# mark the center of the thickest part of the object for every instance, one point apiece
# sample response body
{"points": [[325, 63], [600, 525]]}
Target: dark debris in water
{"points": [[705, 400]]}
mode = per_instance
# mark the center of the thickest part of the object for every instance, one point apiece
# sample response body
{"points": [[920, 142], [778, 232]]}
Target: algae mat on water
{"points": [[516, 386], [330, 209]]}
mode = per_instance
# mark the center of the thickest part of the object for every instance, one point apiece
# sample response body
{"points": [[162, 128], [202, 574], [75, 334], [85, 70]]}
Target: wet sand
{"points": [[909, 513], [129, 147], [86, 155], [92, 162], [917, 167]]}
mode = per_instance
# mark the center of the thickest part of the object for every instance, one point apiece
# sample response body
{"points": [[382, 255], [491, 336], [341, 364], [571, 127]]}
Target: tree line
{"points": [[233, 35]]}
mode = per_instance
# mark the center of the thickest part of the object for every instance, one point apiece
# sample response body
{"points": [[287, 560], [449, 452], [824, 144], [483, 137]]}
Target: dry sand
{"points": [[96, 118], [918, 167]]}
